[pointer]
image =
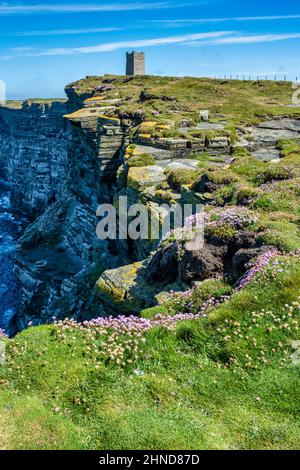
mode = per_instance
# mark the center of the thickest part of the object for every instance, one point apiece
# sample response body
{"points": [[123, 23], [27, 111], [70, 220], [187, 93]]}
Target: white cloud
{"points": [[9, 9], [258, 38], [65, 32], [112, 46], [254, 39], [191, 40], [267, 18], [183, 22]]}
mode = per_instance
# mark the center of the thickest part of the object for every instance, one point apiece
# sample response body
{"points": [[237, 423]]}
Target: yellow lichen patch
{"points": [[145, 176], [145, 136], [80, 113], [114, 284], [147, 126], [166, 126], [129, 152], [165, 196], [116, 294], [109, 120], [94, 98], [74, 115], [133, 151], [94, 112]]}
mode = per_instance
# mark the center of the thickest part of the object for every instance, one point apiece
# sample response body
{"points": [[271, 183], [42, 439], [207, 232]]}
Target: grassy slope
{"points": [[190, 396]]}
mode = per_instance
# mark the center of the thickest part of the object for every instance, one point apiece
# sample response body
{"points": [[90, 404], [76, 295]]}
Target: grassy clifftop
{"points": [[18, 104], [177, 98]]}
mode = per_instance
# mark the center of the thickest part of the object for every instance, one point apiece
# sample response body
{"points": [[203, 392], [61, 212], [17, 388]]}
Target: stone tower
{"points": [[135, 63]]}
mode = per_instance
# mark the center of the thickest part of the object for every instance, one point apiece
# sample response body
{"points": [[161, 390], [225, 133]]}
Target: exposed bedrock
{"points": [[265, 137], [55, 171], [134, 287], [189, 262], [55, 251]]}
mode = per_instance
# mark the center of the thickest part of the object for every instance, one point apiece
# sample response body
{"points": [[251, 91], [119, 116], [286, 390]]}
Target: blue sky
{"points": [[45, 45]]}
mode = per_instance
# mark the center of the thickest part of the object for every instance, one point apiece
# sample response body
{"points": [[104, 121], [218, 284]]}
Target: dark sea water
{"points": [[10, 230]]}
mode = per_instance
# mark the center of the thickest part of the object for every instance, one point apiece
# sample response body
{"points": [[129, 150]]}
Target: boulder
{"points": [[163, 266], [140, 178], [190, 261], [200, 264], [243, 256], [204, 115], [125, 289]]}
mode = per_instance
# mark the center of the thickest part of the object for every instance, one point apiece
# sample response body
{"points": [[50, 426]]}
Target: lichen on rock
{"points": [[126, 289]]}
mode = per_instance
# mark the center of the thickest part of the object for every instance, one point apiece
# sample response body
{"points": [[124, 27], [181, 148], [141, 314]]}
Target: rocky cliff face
{"points": [[64, 159], [33, 155], [55, 170]]}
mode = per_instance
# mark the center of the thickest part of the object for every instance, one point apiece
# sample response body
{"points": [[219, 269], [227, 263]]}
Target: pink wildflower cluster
{"points": [[2, 333], [188, 301], [119, 340], [272, 260], [257, 266], [277, 265], [236, 216]]}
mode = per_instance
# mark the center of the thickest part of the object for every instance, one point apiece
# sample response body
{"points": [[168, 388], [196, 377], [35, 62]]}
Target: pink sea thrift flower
{"points": [[2, 333]]}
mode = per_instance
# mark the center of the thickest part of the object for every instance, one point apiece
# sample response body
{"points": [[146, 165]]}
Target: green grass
{"points": [[288, 147], [196, 390], [141, 160], [177, 178]]}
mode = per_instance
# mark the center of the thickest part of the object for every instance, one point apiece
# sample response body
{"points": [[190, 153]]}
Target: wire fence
{"points": [[255, 78]]}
